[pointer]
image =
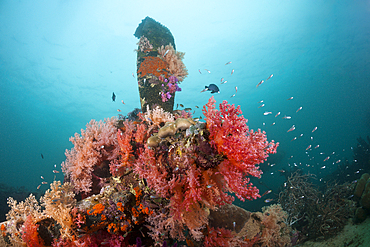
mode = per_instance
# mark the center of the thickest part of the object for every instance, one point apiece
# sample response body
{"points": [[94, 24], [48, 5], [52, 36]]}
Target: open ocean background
{"points": [[60, 61]]}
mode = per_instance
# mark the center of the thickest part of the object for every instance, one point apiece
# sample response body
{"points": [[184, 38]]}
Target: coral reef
{"points": [[162, 192]]}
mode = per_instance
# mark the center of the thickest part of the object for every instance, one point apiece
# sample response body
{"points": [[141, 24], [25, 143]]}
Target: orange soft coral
{"points": [[154, 66]]}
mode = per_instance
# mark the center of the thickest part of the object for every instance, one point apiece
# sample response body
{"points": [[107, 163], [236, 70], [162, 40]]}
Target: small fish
{"points": [[309, 146], [323, 167], [236, 89], [260, 83], [228, 63], [42, 177], [291, 128], [196, 106], [295, 138], [232, 72], [222, 79], [43, 182], [270, 77], [181, 105], [187, 109], [199, 71], [300, 108], [282, 171], [260, 102], [165, 53], [123, 102], [277, 114], [118, 110], [261, 105], [267, 113], [314, 129], [42, 156], [209, 186], [113, 97], [287, 117], [223, 82], [317, 146], [268, 200], [232, 95], [273, 124], [337, 161], [55, 171], [38, 187], [290, 98], [55, 165], [208, 71], [327, 158], [267, 192], [133, 75], [212, 87]]}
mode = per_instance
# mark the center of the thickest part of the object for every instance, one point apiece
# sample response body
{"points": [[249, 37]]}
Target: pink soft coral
{"points": [[96, 144], [244, 149]]}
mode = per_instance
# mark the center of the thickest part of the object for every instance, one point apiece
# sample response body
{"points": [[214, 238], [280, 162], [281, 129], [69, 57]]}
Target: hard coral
{"points": [[153, 66]]}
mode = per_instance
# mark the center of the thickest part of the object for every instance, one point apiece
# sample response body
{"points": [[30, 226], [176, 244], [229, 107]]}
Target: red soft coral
{"points": [[30, 234], [243, 148]]}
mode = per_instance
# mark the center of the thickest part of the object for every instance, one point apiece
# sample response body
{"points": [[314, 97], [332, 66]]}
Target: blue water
{"points": [[60, 61]]}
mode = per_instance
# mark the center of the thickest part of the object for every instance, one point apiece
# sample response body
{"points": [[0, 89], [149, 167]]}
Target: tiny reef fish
{"points": [[208, 71], [261, 105], [290, 98], [277, 114], [268, 200], [199, 71], [300, 108], [291, 128], [113, 97], [287, 117], [314, 129], [270, 77], [232, 72], [327, 158], [267, 113], [262, 81], [228, 63], [266, 192]]}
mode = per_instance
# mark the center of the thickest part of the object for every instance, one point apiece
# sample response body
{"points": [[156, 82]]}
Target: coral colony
{"points": [[155, 177]]}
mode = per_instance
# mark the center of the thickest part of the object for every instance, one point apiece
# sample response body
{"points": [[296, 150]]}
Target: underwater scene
{"points": [[185, 123]]}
